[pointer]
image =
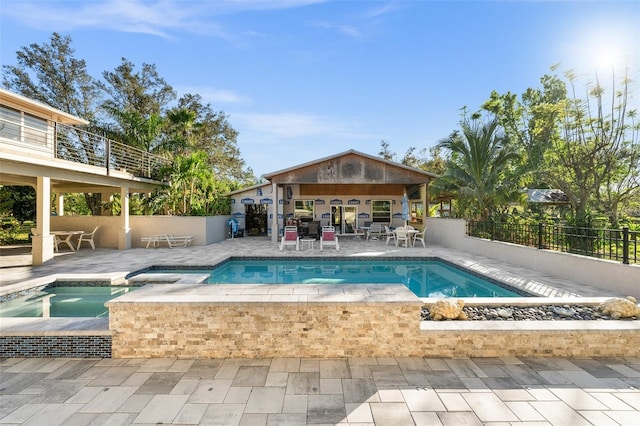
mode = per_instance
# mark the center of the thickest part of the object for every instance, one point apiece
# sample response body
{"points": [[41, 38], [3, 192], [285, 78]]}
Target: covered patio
{"points": [[42, 147], [348, 190]]}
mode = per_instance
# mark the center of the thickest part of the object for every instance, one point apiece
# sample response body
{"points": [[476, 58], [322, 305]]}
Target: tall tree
{"points": [[596, 162], [50, 73], [211, 132], [385, 151], [144, 91], [531, 123], [478, 166]]}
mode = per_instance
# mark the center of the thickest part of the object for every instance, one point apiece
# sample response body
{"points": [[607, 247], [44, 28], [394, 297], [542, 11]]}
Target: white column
{"points": [[60, 204], [424, 194], [42, 243], [124, 236], [274, 220]]}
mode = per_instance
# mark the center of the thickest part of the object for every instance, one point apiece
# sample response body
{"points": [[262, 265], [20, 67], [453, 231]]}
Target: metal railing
{"points": [[80, 146], [621, 245]]}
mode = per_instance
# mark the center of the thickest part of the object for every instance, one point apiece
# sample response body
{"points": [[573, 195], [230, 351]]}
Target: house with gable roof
{"points": [[348, 190]]}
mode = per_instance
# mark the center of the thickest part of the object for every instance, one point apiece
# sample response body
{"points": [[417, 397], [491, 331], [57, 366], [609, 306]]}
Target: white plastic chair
{"points": [[88, 238], [402, 235], [389, 234], [419, 237]]}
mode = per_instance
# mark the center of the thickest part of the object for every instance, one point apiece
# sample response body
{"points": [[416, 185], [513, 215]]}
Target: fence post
{"points": [[540, 231], [107, 143], [625, 245], [493, 230]]}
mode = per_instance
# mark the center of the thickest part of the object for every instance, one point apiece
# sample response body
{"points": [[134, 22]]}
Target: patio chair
{"points": [[419, 237], [375, 231], [401, 234], [314, 229], [290, 238], [389, 234], [329, 237], [88, 238]]}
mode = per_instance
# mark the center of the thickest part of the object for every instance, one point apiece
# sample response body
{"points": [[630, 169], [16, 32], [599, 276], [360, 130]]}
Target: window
{"points": [[9, 123], [19, 126], [381, 211], [303, 210], [35, 129], [417, 209]]}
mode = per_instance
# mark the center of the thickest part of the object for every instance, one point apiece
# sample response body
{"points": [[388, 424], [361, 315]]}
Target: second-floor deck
{"points": [[37, 137]]}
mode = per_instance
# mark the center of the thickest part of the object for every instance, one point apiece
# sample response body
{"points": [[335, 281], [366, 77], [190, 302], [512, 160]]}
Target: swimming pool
{"points": [[425, 278], [63, 301]]}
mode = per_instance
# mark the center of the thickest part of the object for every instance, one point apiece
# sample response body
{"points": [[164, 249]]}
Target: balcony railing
{"points": [[80, 146], [613, 244]]}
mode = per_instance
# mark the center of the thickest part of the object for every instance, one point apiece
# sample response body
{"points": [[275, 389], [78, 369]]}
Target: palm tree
{"points": [[478, 168]]}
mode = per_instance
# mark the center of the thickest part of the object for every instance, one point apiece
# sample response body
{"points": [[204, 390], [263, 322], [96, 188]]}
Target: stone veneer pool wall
{"points": [[254, 321]]}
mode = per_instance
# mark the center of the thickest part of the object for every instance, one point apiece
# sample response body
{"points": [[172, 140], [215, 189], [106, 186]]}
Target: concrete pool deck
{"points": [[17, 272]]}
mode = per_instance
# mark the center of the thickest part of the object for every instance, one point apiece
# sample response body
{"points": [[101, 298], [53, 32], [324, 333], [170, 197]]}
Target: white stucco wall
{"points": [[204, 229], [609, 275]]}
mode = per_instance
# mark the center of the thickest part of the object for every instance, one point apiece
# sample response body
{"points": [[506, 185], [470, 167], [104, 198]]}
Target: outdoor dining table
{"points": [[411, 233], [65, 237]]}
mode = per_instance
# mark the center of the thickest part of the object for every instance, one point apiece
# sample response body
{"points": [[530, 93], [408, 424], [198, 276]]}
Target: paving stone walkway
{"points": [[393, 391], [294, 391]]}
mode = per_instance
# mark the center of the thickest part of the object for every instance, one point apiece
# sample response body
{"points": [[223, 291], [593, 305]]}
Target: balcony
{"points": [[60, 141]]}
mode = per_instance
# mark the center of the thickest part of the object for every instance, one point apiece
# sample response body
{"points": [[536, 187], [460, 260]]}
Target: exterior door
{"points": [[344, 219], [256, 219], [349, 219]]}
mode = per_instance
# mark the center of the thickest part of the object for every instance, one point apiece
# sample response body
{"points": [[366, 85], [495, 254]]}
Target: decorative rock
{"points": [[447, 309], [531, 313], [505, 313], [620, 308], [564, 311]]}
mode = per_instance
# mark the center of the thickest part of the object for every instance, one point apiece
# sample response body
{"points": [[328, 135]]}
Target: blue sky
{"points": [[304, 79]]}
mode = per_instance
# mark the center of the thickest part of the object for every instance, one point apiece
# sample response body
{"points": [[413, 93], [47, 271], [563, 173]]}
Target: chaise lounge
{"points": [[290, 238], [171, 240], [329, 237]]}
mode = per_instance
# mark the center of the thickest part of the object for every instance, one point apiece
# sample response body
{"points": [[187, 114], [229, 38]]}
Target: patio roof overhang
{"points": [[351, 167]]}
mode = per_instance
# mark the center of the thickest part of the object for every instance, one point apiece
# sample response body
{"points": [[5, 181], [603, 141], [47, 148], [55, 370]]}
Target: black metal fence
{"points": [[614, 244]]}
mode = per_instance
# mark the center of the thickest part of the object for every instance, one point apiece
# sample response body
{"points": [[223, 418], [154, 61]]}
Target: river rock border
{"points": [[566, 312]]}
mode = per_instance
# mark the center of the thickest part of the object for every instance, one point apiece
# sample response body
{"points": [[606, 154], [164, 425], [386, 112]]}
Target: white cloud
{"points": [[156, 17], [380, 10], [347, 30], [295, 125], [214, 95]]}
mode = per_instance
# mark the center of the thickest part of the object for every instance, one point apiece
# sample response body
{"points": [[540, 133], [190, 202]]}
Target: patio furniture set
{"points": [[66, 237]]}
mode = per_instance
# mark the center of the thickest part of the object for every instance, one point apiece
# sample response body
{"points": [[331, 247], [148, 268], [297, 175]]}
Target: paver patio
{"points": [[295, 391]]}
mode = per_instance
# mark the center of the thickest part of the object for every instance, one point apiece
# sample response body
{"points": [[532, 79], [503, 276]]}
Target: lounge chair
{"points": [[88, 238], [171, 240], [290, 238], [389, 234], [329, 237]]}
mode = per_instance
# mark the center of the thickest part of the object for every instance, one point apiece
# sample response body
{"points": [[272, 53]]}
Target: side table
{"points": [[307, 242]]}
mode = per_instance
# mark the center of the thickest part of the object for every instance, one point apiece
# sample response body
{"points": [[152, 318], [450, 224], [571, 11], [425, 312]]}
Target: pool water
{"points": [[426, 278], [74, 301]]}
